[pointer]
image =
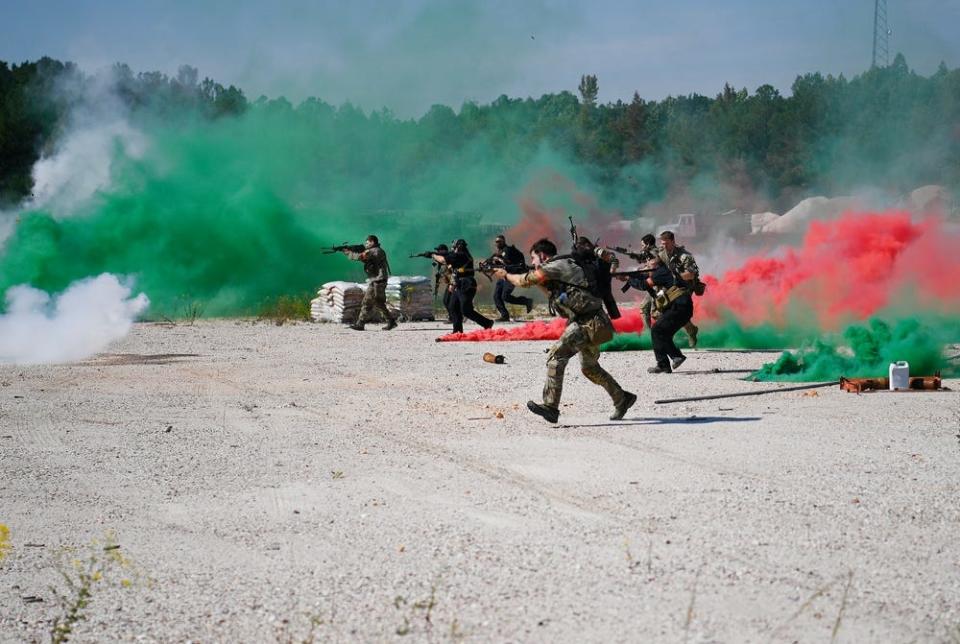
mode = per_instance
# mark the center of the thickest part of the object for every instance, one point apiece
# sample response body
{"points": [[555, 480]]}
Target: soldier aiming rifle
{"points": [[377, 269]]}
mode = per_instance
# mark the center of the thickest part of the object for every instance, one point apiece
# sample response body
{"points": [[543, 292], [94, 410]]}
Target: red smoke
{"points": [[847, 269], [631, 322]]}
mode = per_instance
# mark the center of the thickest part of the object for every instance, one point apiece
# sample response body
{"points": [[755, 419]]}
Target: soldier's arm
{"points": [[354, 256], [690, 269], [536, 277]]}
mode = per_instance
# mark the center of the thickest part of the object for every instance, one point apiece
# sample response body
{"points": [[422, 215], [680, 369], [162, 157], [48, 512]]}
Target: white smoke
{"points": [[73, 325], [83, 162]]}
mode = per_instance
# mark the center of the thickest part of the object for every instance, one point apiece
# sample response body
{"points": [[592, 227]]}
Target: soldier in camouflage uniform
{"points": [[378, 271], [588, 327], [683, 266]]}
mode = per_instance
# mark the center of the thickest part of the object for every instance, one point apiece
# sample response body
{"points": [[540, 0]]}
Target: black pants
{"points": [[461, 306], [503, 292], [677, 314], [447, 302]]}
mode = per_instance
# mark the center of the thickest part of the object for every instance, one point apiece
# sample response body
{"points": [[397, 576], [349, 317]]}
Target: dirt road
{"points": [[383, 486]]}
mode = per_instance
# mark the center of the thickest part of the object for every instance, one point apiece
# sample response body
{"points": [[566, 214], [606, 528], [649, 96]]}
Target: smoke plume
{"points": [[84, 319]]}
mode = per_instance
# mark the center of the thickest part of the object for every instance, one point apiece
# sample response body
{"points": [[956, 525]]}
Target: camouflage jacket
{"points": [[374, 263], [680, 261], [568, 287]]}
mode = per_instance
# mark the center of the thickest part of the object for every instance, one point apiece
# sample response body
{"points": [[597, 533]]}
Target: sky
{"points": [[407, 55]]}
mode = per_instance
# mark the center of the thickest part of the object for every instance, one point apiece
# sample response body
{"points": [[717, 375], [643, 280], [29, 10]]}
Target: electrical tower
{"points": [[881, 35]]}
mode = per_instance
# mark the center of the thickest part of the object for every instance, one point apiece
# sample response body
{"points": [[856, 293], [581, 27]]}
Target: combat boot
{"points": [[356, 326], [548, 413], [529, 305], [391, 324], [620, 409], [692, 334], [676, 362]]}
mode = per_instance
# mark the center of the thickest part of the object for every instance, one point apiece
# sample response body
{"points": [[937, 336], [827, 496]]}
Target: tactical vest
{"points": [[570, 294]]}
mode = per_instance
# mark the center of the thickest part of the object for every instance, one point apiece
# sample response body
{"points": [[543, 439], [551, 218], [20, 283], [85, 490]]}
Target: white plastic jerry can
{"points": [[899, 375]]}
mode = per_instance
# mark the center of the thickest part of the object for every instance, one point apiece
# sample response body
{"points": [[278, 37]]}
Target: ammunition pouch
{"points": [[665, 297]]}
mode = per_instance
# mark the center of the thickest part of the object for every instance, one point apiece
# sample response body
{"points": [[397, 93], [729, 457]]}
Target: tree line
{"points": [[888, 127]]}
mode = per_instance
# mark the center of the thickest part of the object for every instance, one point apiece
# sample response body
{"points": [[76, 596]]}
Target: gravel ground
{"points": [[381, 486]]}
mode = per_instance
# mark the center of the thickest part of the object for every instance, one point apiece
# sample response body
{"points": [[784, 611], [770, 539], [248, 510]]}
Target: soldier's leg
{"points": [[447, 303], [380, 303], [671, 320], [572, 340], [499, 292], [510, 298], [692, 331], [590, 367], [466, 304], [366, 306], [456, 310]]}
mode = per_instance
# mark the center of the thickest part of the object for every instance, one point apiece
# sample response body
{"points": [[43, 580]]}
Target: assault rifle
{"points": [[437, 269], [642, 256], [353, 248], [487, 267], [635, 279], [573, 233]]}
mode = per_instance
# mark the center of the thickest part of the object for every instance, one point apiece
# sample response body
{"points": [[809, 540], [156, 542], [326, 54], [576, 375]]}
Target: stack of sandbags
{"points": [[337, 302], [411, 297]]}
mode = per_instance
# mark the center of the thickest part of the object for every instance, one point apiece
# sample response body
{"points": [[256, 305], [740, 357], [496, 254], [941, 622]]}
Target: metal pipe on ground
{"points": [[748, 393]]}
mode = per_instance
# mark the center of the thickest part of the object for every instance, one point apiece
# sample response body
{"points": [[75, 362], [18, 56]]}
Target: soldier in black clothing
{"points": [[676, 308], [602, 262], [512, 259], [464, 286]]}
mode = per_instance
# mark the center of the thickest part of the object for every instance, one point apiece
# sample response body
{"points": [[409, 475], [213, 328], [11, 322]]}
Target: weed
{"points": [[81, 575], [425, 609], [5, 546], [336, 475], [286, 308]]}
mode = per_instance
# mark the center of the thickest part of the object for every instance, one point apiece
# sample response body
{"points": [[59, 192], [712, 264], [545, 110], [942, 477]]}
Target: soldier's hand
{"points": [[622, 278], [499, 273]]}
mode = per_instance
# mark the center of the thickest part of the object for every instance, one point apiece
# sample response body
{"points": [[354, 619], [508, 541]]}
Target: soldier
{"points": [[464, 290], [684, 268], [513, 260], [588, 327], [603, 262], [647, 253], [444, 282], [675, 305], [377, 270]]}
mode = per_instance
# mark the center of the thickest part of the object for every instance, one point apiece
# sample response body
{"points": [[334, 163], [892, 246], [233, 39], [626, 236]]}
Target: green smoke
{"points": [[728, 334], [867, 350], [235, 211]]}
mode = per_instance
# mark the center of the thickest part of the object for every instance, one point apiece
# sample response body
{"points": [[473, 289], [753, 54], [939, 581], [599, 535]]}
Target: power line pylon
{"points": [[881, 35]]}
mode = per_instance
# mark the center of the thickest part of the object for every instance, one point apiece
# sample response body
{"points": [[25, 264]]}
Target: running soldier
{"points": [[684, 267], [464, 290], [509, 257], [588, 327]]}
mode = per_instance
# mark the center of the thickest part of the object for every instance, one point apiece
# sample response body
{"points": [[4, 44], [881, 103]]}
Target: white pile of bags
{"points": [[408, 297]]}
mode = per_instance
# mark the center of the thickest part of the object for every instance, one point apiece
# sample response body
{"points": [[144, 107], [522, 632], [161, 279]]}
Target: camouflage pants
{"points": [[375, 297], [584, 339]]}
